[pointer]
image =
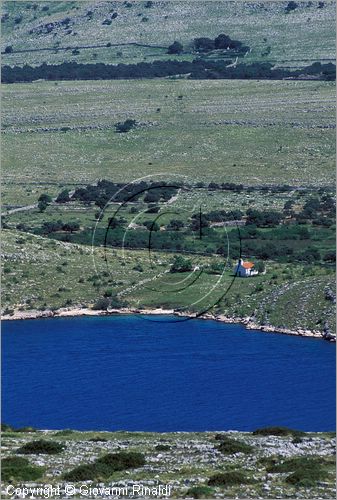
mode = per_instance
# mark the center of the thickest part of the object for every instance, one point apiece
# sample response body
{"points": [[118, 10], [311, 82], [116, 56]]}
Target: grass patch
{"points": [[9, 428], [6, 428], [307, 477], [305, 471], [86, 472], [292, 464], [162, 447], [229, 446], [105, 466], [18, 468], [232, 478], [277, 431], [123, 460], [64, 432], [25, 429], [41, 447], [199, 492], [207, 121]]}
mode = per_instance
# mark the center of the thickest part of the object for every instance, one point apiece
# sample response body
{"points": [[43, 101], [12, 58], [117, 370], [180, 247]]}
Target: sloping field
{"points": [[294, 38], [250, 132], [43, 274]]}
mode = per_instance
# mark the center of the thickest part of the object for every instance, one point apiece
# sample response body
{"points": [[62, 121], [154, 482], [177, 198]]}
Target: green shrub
{"points": [[112, 301], [98, 440], [86, 472], [122, 460], [123, 127], [229, 446], [9, 428], [162, 447], [180, 264], [199, 492], [306, 471], [105, 466], [277, 431], [293, 464], [228, 479], [64, 432], [6, 428], [18, 468], [41, 447], [101, 304], [307, 477]]}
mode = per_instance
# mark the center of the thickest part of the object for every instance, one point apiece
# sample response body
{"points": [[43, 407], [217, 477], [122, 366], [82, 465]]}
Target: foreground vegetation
{"points": [[196, 465]]}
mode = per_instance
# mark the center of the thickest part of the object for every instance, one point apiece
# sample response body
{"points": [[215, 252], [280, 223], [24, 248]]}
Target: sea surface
{"points": [[126, 372]]}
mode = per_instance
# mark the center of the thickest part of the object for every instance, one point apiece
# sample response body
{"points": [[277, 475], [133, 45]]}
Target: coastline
{"points": [[246, 322]]}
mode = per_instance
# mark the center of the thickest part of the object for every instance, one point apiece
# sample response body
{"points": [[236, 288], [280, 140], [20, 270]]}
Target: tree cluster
{"points": [[222, 41], [152, 192], [54, 226], [196, 69]]}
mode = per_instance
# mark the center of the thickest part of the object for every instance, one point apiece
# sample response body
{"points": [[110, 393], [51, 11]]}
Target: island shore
{"points": [[247, 322]]}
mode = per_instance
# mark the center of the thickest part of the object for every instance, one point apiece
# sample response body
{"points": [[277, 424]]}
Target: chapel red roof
{"points": [[247, 265]]}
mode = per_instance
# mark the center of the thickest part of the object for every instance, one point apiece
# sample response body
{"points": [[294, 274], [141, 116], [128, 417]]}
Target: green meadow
{"points": [[250, 132]]}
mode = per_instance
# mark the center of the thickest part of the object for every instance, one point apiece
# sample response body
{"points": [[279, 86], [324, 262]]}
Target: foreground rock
{"points": [[178, 464]]}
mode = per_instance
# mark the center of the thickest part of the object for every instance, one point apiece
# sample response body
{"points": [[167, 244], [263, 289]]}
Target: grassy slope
{"points": [[295, 39], [189, 460], [49, 273], [243, 131]]}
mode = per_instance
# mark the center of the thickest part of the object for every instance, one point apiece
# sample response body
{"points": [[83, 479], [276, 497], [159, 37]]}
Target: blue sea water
{"points": [[124, 372]]}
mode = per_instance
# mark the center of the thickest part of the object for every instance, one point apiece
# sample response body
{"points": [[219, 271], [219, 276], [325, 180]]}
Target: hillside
{"points": [[244, 132], [42, 274], [291, 38]]}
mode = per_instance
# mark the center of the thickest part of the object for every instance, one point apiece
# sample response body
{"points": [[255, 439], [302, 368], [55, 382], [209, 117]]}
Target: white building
{"points": [[245, 269]]}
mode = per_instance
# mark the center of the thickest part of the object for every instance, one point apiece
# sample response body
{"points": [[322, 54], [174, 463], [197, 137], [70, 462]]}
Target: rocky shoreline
{"points": [[247, 322]]}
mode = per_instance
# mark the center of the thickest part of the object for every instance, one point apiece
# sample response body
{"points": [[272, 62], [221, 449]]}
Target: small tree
{"points": [[45, 197], [175, 48], [101, 304], [63, 197], [180, 265], [203, 44], [175, 225], [151, 225], [43, 202], [71, 227], [260, 266], [123, 127], [291, 6], [198, 222], [222, 41], [8, 49]]}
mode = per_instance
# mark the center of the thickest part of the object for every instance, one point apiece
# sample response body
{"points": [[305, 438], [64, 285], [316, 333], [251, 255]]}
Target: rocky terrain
{"points": [[192, 464]]}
